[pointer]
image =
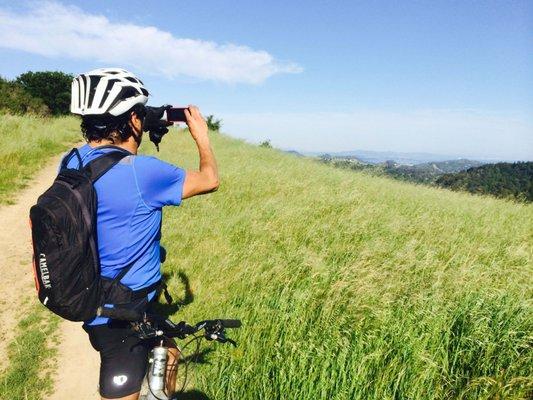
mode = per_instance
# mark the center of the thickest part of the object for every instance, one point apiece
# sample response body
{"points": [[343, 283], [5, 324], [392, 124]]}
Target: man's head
{"points": [[115, 129], [111, 102]]}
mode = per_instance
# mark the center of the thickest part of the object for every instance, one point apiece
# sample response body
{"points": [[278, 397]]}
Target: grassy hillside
{"points": [[26, 144], [351, 286]]}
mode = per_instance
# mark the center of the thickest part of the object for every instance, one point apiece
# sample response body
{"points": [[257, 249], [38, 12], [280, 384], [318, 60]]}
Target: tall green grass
{"points": [[351, 286], [31, 357], [26, 144]]}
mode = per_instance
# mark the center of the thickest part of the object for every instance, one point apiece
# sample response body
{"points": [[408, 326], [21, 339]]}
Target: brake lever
{"points": [[145, 330], [220, 337]]}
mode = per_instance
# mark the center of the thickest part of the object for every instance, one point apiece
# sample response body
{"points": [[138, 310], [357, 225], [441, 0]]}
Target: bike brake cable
{"points": [[194, 355]]}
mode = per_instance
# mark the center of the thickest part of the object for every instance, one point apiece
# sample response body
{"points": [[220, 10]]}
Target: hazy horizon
{"points": [[440, 156]]}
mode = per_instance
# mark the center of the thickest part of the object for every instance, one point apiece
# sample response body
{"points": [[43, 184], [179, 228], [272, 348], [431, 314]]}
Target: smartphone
{"points": [[176, 115]]}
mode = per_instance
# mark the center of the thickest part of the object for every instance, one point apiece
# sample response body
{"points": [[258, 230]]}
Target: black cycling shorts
{"points": [[123, 358]]}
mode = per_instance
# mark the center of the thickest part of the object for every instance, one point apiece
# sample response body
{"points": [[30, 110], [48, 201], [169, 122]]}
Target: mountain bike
{"points": [[153, 327]]}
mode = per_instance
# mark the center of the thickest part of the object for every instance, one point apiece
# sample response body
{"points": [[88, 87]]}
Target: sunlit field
{"points": [[351, 286]]}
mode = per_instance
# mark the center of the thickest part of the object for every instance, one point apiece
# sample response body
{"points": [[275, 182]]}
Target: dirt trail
{"points": [[77, 362]]}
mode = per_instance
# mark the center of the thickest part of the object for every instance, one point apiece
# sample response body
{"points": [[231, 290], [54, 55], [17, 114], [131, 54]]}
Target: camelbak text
{"points": [[45, 275]]}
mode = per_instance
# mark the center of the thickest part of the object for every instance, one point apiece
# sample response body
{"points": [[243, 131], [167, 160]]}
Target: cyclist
{"points": [[131, 195]]}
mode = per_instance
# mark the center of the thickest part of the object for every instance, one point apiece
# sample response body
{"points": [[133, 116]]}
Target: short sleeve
{"points": [[159, 183]]}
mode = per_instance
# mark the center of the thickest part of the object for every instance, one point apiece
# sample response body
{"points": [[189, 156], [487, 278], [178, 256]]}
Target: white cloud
{"points": [[469, 133], [54, 30]]}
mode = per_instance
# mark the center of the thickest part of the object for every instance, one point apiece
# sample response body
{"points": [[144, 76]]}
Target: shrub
{"points": [[53, 87], [14, 99], [266, 144], [213, 124]]}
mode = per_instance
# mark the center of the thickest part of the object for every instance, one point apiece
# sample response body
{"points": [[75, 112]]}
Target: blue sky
{"points": [[441, 77]]}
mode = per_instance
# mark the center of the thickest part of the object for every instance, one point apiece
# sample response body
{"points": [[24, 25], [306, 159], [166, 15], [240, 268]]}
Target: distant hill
{"points": [[378, 157], [419, 173], [509, 180], [506, 180], [294, 153], [427, 172]]}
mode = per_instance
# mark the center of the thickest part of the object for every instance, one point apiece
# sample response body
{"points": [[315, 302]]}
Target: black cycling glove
{"points": [[154, 125]]}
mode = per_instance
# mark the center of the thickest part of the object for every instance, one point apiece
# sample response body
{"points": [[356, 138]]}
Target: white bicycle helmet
{"points": [[110, 91]]}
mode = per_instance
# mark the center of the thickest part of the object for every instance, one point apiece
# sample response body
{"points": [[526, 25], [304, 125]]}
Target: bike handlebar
{"points": [[230, 323], [167, 327]]}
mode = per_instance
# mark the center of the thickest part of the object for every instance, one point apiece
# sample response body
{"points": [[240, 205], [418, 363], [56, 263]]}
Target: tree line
{"points": [[505, 180]]}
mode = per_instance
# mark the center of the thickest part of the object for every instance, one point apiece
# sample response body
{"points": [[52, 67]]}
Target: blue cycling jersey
{"points": [[130, 200]]}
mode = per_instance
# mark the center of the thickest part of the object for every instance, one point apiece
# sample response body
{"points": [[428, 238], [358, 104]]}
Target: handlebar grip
{"points": [[231, 323], [122, 314]]}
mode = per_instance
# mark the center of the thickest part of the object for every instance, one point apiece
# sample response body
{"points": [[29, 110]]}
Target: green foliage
{"points": [[213, 124], [507, 180], [53, 87], [15, 99], [26, 144], [351, 286], [266, 144], [31, 353]]}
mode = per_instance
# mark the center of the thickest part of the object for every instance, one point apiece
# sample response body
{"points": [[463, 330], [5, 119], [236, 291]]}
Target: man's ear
{"points": [[133, 117], [135, 121]]}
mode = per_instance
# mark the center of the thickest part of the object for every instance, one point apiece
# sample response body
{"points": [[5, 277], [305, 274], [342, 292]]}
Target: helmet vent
{"points": [[110, 84], [129, 92], [94, 84], [82, 98]]}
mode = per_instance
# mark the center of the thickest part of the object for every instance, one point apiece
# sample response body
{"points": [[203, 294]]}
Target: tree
{"points": [[53, 87], [266, 144], [14, 99], [213, 124]]}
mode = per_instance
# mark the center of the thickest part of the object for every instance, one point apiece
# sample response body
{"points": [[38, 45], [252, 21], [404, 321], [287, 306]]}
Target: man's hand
{"points": [[196, 123], [205, 179]]}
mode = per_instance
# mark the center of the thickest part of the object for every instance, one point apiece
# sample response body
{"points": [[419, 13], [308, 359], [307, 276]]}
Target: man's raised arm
{"points": [[205, 180]]}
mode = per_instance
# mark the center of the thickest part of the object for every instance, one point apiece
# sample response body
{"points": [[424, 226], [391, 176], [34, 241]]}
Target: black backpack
{"points": [[65, 246]]}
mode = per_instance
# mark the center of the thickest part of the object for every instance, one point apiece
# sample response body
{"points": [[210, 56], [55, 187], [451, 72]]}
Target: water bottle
{"points": [[157, 373]]}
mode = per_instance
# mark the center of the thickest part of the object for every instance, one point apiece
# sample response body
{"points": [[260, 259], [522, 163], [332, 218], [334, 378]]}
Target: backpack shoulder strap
{"points": [[123, 273], [98, 167], [68, 156]]}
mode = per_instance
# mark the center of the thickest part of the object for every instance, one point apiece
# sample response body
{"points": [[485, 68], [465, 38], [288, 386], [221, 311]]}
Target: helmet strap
{"points": [[137, 138]]}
